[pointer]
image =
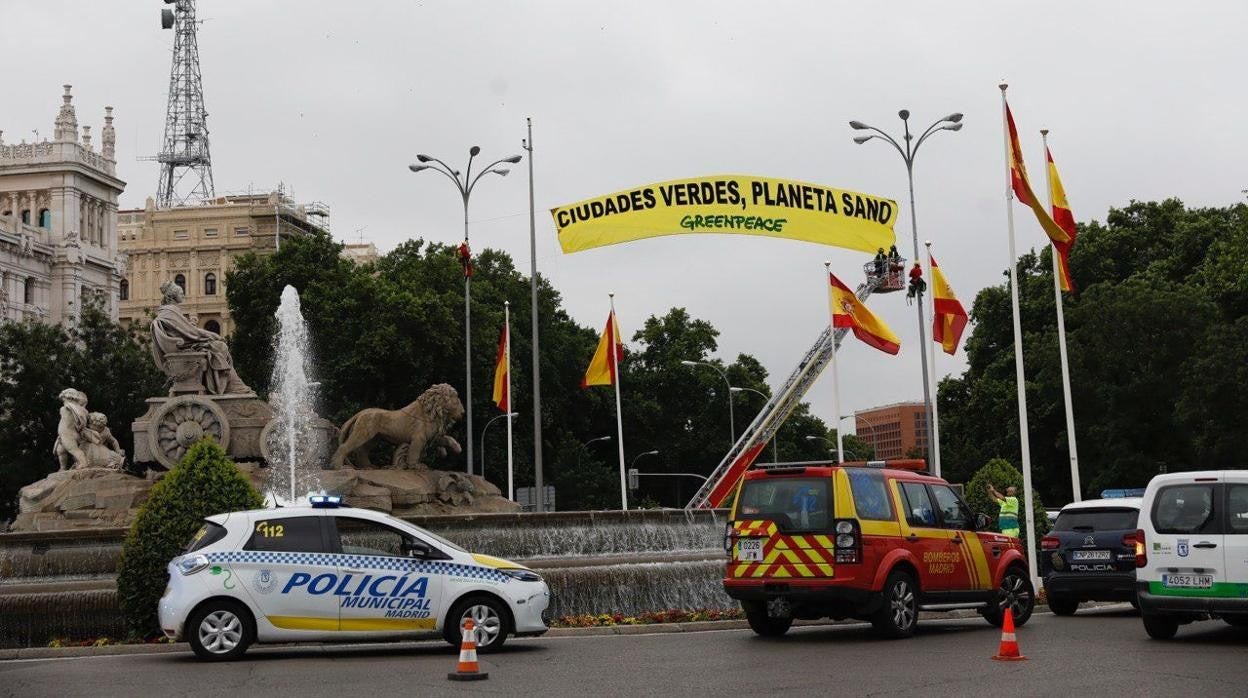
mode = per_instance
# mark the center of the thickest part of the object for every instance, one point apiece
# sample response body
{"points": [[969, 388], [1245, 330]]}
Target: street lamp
{"points": [[732, 424], [487, 428], [465, 185], [953, 122], [869, 423], [585, 447], [828, 442], [775, 452], [642, 455]]}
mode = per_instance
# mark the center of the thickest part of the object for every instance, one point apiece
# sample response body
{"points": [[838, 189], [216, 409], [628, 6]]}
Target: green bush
{"points": [[999, 473], [204, 483]]}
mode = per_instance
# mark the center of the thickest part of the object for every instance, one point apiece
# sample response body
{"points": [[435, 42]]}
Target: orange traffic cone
{"points": [[1008, 651], [468, 669]]}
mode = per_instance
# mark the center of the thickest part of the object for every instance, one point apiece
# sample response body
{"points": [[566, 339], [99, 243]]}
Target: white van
{"points": [[1191, 552]]}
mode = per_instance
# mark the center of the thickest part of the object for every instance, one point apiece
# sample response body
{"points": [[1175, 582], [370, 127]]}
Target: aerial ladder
{"points": [[723, 481]]}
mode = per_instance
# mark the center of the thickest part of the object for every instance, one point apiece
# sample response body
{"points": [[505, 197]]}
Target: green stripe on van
{"points": [[1219, 590]]}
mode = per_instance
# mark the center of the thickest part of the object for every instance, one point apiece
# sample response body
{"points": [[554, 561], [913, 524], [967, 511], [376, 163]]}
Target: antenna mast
{"points": [[185, 164]]}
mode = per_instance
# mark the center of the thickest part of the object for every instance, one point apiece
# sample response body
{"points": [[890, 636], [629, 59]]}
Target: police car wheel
{"points": [[1063, 607], [489, 618], [763, 624], [1016, 594], [220, 631], [1160, 627], [899, 612]]}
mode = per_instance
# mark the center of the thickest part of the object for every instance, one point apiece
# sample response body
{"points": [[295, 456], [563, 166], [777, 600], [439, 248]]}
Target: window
{"points": [[210, 232], [871, 498], [295, 534], [953, 511], [125, 290], [28, 292], [1185, 509], [181, 234], [207, 534], [240, 232], [919, 509], [180, 280], [1237, 509], [45, 218], [210, 284], [794, 504], [1092, 520], [213, 326], [362, 537], [26, 216]]}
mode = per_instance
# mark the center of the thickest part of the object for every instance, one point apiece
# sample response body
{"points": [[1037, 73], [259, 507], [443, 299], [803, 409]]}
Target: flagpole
{"points": [[1061, 341], [511, 489], [836, 381], [931, 362], [1023, 436], [613, 354]]}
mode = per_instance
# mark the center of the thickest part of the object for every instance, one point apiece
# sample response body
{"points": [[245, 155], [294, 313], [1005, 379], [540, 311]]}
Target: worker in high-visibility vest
{"points": [[1007, 520]]}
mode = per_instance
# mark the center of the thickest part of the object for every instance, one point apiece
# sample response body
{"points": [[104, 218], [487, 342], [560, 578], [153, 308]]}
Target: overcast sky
{"points": [[1144, 100]]}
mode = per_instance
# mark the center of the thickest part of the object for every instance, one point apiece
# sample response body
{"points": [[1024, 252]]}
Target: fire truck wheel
{"points": [[763, 624], [899, 611]]}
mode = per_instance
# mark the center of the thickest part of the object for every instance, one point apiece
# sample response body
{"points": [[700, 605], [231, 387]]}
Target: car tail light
{"points": [[1050, 543], [1137, 543], [848, 540]]}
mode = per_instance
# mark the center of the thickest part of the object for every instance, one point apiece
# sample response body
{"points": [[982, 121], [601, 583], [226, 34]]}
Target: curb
{"points": [[651, 629]]}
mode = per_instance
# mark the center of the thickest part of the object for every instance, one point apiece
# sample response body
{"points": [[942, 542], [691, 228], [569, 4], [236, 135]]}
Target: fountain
{"points": [[295, 442]]}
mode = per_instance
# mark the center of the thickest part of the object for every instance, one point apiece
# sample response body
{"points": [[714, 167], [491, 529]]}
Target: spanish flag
{"points": [[848, 311], [1065, 220], [1022, 188], [602, 368], [950, 318], [502, 367]]}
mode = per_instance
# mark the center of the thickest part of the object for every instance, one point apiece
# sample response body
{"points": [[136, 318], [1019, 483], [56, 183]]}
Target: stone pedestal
{"points": [[186, 370], [83, 498], [172, 424]]}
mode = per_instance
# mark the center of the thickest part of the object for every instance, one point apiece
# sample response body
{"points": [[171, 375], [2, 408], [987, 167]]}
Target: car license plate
{"points": [[750, 549], [1085, 555], [1187, 581]]}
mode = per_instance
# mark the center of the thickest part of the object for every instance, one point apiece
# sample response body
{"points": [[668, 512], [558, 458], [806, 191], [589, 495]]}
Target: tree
{"points": [[1000, 474], [1156, 341], [109, 363], [204, 483]]}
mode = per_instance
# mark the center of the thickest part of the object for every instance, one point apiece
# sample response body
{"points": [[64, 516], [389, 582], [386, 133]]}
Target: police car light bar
{"points": [[325, 501], [1121, 493]]}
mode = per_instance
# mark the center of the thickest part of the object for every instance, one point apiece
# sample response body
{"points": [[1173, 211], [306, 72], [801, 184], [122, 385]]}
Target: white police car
{"points": [[326, 572]]}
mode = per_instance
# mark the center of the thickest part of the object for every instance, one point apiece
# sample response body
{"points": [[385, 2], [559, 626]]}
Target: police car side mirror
{"points": [[418, 549], [982, 522]]}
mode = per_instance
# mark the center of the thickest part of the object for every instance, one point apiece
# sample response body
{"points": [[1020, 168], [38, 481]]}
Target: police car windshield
{"points": [[1091, 520], [793, 504], [435, 537]]}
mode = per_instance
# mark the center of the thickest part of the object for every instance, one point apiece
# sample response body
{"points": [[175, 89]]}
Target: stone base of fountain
{"points": [[405, 492], [86, 498]]}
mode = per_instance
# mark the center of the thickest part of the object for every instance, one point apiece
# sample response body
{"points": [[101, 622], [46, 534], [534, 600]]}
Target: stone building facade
{"points": [[196, 246], [58, 222]]}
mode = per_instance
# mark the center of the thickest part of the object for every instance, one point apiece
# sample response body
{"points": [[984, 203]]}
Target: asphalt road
{"points": [[1099, 652]]}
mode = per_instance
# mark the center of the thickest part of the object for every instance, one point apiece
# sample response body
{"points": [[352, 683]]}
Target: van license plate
{"points": [[1084, 555], [750, 549], [1187, 581]]}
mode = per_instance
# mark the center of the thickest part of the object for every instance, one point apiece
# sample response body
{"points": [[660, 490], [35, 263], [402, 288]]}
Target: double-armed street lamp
{"points": [[830, 445], [465, 183], [953, 122], [732, 424]]}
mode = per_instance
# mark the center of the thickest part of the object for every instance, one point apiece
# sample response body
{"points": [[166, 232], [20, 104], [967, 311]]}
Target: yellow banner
{"points": [[735, 204]]}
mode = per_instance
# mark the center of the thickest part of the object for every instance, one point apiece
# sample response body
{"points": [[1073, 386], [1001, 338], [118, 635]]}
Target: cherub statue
{"points": [[103, 451], [74, 419]]}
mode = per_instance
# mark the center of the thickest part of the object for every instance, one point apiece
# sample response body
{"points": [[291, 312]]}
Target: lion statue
{"points": [[420, 425]]}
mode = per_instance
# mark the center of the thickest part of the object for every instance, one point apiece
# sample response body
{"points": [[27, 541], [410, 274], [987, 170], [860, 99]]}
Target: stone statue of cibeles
{"points": [[197, 360]]}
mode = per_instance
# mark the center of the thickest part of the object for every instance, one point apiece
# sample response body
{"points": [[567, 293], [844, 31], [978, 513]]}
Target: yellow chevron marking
{"points": [[781, 573], [825, 569], [825, 542]]}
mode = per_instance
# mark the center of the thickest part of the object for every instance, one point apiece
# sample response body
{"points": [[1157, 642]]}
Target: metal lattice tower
{"points": [[185, 163]]}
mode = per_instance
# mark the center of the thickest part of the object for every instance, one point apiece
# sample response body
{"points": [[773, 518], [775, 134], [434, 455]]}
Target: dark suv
{"points": [[1090, 554]]}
